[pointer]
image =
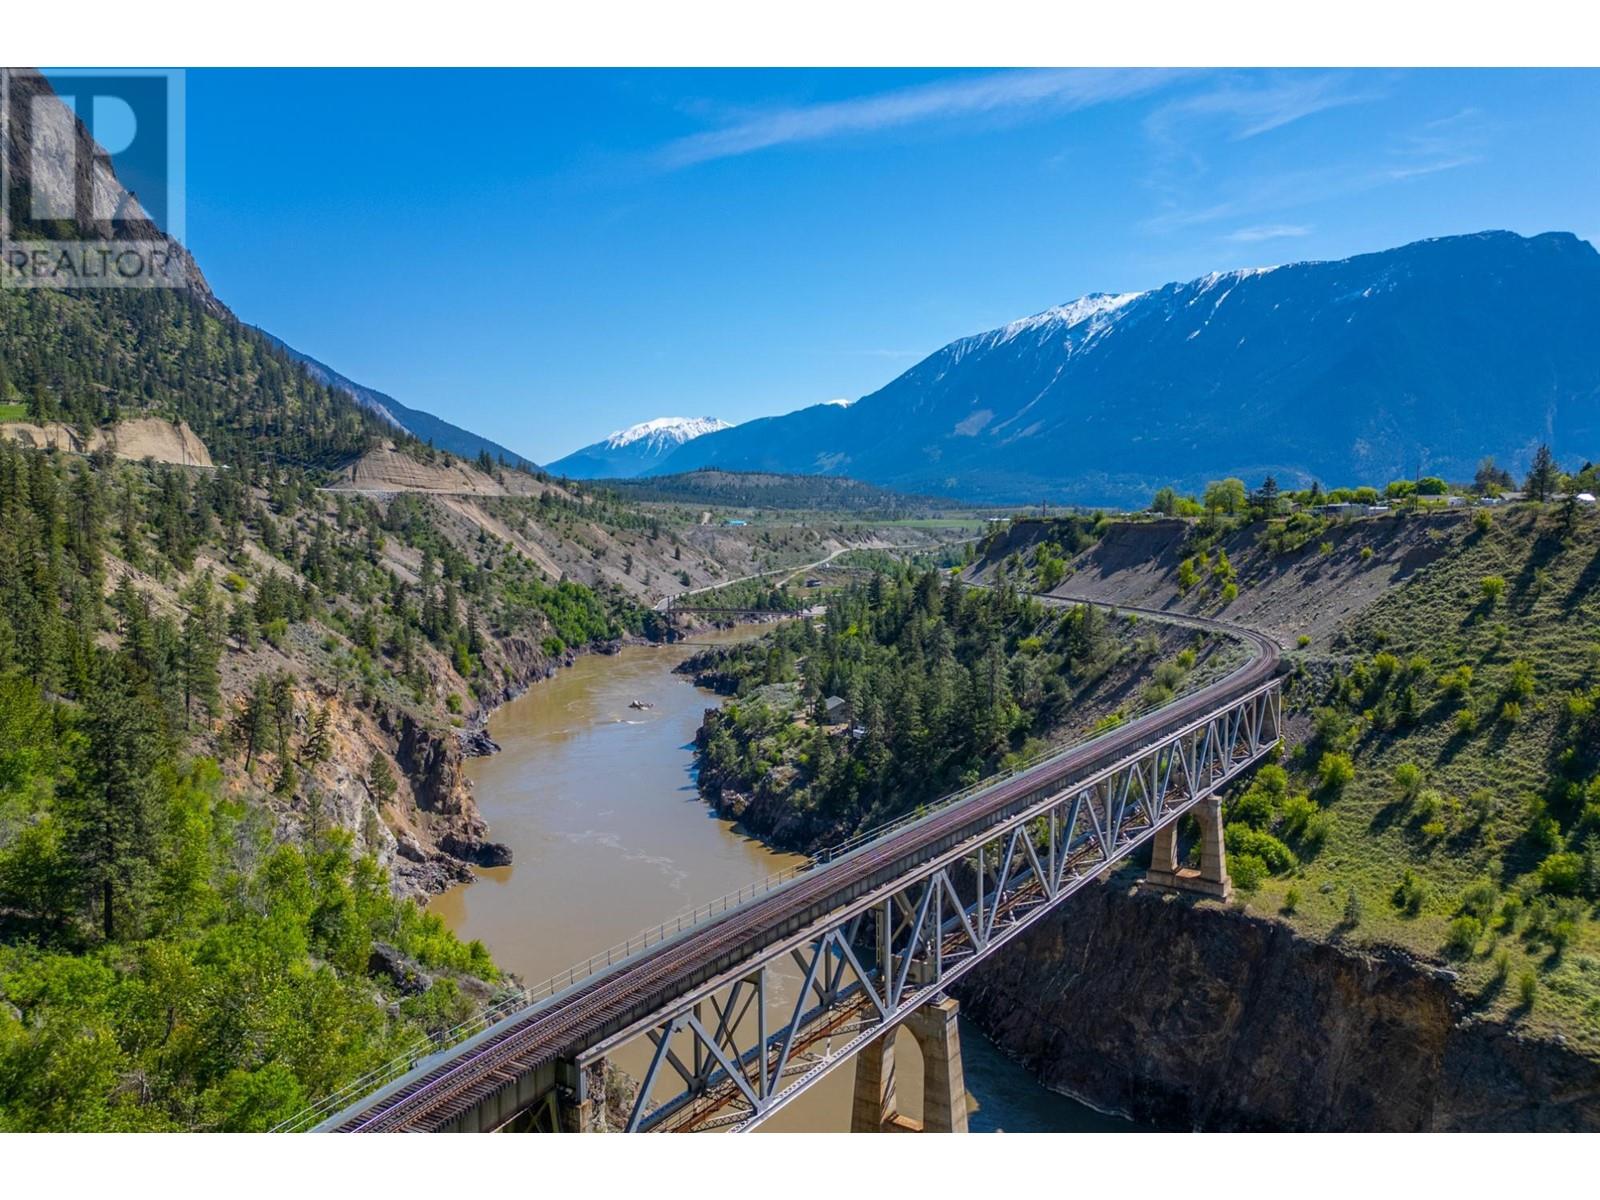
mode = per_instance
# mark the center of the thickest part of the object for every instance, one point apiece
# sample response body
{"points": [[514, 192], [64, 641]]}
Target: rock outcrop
{"points": [[1193, 1015], [137, 439]]}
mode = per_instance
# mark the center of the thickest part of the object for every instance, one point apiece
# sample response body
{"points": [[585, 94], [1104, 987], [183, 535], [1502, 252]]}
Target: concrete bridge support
{"points": [[1212, 877], [944, 1086]]}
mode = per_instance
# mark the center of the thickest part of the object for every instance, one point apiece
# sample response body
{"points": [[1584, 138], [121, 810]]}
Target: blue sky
{"points": [[545, 256]]}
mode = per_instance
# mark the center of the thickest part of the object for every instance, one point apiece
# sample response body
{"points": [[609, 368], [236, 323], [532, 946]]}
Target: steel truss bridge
{"points": [[727, 1021]]}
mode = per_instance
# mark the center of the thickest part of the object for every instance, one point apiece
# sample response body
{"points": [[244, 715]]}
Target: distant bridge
{"points": [[736, 1012]]}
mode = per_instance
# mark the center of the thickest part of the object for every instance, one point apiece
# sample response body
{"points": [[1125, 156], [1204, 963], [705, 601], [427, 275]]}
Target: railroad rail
{"points": [[871, 933]]}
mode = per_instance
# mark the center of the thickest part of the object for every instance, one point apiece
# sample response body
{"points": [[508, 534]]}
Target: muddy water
{"points": [[597, 800]]}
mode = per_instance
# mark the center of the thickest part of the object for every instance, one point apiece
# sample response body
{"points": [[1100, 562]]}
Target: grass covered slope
{"points": [[1455, 744]]}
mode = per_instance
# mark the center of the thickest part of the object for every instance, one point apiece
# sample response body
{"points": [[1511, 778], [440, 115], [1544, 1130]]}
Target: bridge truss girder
{"points": [[745, 1044]]}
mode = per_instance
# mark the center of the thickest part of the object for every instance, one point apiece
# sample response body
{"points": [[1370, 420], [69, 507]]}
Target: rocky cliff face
{"points": [[1193, 1015]]}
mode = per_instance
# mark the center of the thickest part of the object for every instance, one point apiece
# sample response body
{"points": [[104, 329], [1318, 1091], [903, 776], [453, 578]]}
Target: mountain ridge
{"points": [[423, 425], [1421, 358], [630, 452]]}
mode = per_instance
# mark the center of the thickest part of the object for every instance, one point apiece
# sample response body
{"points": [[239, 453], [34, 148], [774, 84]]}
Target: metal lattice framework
{"points": [[744, 1044]]}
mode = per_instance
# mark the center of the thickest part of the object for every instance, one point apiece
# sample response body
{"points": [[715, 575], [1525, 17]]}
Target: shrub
{"points": [[1408, 778], [1230, 593], [1352, 907], [1478, 900], [1560, 933], [1492, 587], [1253, 809], [1325, 548], [1519, 681], [1510, 910], [1482, 520], [1247, 872], [1463, 936], [1527, 987], [1317, 830], [1466, 722], [1458, 683], [1334, 773], [1511, 712], [1410, 894], [1366, 553], [1303, 640], [1291, 901], [1298, 813], [1502, 966], [1561, 873], [1256, 843]]}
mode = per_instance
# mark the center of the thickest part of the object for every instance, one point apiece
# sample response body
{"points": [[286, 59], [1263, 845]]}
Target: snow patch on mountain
{"points": [[1095, 313], [665, 433]]}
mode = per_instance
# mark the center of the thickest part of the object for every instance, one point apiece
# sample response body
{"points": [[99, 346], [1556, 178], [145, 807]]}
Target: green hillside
{"points": [[1468, 828]]}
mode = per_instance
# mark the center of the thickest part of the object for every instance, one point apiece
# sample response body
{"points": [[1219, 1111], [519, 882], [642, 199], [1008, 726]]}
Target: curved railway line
{"points": [[564, 1025]]}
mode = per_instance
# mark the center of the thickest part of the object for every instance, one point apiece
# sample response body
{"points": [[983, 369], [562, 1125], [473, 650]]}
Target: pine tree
{"points": [[252, 721], [1543, 476], [201, 649], [381, 783], [111, 811], [319, 739]]}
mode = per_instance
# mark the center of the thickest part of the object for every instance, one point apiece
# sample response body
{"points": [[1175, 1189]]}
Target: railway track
{"points": [[561, 1027]]}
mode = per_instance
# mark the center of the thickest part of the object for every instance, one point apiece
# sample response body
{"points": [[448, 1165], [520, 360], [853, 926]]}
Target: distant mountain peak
{"points": [[634, 450], [668, 432]]}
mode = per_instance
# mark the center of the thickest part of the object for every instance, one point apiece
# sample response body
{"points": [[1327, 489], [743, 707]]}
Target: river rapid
{"points": [[597, 800]]}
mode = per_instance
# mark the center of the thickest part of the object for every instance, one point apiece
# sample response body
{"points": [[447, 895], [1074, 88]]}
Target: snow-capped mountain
{"points": [[1419, 359], [634, 450]]}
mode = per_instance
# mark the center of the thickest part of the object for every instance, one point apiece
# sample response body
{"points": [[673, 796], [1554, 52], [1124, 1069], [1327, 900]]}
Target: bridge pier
{"points": [[1212, 877], [944, 1085]]}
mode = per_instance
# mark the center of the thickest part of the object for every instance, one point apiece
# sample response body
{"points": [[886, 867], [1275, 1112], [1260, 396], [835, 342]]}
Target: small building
{"points": [[735, 522], [813, 582], [837, 709], [1584, 497]]}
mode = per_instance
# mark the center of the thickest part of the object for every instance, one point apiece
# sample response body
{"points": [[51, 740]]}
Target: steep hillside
{"points": [[1446, 673], [424, 426], [1417, 360]]}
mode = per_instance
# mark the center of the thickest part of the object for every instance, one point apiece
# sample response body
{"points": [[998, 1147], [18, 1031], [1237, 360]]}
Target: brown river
{"points": [[597, 800]]}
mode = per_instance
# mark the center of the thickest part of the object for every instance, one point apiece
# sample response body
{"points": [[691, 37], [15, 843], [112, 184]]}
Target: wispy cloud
{"points": [[1427, 149], [1268, 233], [1440, 145], [1248, 110], [1003, 92]]}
